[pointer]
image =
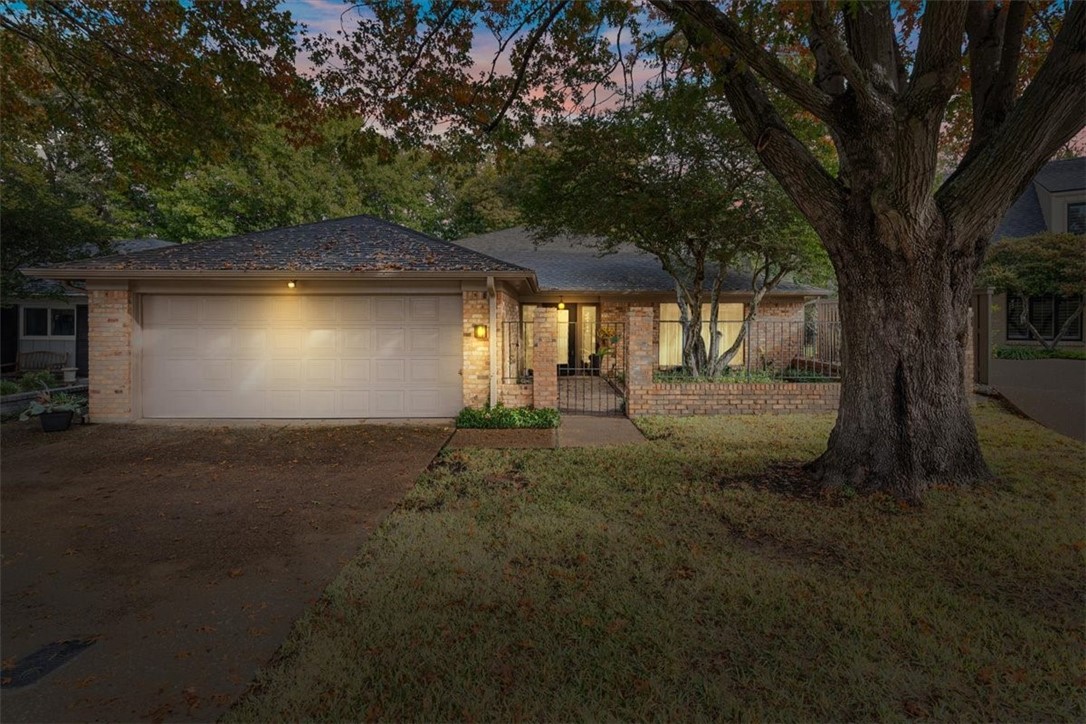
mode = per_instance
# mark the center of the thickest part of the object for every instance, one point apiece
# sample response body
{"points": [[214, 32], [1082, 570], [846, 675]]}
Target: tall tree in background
{"points": [[879, 77], [101, 98], [672, 175]]}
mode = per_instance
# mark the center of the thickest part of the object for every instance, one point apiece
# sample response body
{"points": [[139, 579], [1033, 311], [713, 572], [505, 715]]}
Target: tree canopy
{"points": [[1039, 265], [671, 174]]}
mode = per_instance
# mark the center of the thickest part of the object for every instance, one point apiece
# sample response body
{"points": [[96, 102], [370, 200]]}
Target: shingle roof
{"points": [[1066, 175], [352, 244], [1025, 217], [572, 264]]}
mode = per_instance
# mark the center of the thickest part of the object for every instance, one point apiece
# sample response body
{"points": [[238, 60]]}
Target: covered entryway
{"points": [[298, 356]]}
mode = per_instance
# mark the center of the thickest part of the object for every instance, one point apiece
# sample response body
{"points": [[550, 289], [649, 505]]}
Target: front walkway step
{"points": [[596, 431]]}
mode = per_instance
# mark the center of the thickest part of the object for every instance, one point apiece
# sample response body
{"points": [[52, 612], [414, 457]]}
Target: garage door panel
{"points": [[388, 370], [318, 404], [215, 342], [423, 309], [285, 403], [354, 309], [354, 340], [218, 309], [389, 309], [423, 341], [320, 372], [390, 341], [355, 403], [388, 403], [305, 356], [355, 371], [319, 309]]}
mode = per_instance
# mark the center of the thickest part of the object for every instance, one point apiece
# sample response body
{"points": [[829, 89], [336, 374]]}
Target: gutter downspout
{"points": [[492, 338]]}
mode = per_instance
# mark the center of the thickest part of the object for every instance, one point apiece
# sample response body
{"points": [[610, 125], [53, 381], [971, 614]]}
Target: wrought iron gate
{"points": [[592, 372]]}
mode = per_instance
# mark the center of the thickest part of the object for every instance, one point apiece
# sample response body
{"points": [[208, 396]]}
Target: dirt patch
{"points": [[196, 545], [511, 439]]}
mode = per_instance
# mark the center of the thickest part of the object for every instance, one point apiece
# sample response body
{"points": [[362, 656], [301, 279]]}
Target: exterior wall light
{"points": [[480, 331], [291, 284], [561, 305]]}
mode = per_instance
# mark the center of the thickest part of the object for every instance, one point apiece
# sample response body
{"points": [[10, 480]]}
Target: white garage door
{"points": [[301, 356]]}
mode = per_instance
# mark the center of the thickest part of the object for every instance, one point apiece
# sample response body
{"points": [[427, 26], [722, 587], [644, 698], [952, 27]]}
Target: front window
{"points": [[1047, 314], [48, 322], [730, 318], [1076, 218]]}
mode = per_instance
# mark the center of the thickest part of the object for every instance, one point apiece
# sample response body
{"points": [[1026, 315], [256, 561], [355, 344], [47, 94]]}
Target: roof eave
{"points": [[71, 273]]}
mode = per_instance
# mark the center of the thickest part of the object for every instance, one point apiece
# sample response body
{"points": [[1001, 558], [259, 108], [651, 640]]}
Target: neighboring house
{"points": [[1054, 201], [360, 318], [52, 316]]}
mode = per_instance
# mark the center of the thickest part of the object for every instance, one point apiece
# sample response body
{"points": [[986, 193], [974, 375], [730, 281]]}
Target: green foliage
{"points": [[1022, 352], [8, 387], [37, 380], [1037, 265], [53, 402], [501, 416]]}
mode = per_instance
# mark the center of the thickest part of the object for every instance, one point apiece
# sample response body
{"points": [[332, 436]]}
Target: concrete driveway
{"points": [[183, 552], [1051, 391]]}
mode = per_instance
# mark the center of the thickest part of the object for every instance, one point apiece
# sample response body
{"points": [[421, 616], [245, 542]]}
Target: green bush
{"points": [[1023, 352], [501, 416], [731, 376], [34, 381], [8, 387]]}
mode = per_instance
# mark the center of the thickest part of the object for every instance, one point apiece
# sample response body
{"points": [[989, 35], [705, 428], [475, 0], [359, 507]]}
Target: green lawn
{"points": [[656, 581]]}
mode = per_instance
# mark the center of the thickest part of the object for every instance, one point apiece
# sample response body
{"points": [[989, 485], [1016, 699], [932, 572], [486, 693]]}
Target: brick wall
{"points": [[545, 363], [476, 365], [110, 340], [646, 397], [677, 399]]}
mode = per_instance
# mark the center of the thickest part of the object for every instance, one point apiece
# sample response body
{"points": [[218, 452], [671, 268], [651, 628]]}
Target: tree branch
{"points": [[522, 71], [995, 45], [1047, 115], [761, 61], [937, 68]]}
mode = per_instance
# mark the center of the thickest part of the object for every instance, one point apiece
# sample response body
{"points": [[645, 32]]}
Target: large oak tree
{"points": [[906, 238]]}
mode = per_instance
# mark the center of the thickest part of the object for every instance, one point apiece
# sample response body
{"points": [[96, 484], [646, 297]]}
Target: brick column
{"points": [[476, 369], [545, 358], [109, 337], [642, 360]]}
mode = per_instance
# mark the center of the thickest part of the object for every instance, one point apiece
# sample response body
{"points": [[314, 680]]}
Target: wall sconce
{"points": [[480, 331], [291, 284], [561, 304]]}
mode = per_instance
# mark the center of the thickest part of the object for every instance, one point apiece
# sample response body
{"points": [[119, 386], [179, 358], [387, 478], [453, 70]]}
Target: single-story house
{"points": [[52, 316], [361, 318], [1054, 201]]}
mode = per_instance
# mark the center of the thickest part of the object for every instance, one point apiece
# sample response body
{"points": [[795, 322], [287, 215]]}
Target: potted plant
{"points": [[54, 409]]}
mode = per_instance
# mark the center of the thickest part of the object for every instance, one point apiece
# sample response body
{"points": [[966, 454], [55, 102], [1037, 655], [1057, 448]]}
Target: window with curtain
{"points": [[671, 332]]}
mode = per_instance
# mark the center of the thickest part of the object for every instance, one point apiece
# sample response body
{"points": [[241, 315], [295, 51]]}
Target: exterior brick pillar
{"points": [[545, 358], [641, 361], [476, 363], [109, 336]]}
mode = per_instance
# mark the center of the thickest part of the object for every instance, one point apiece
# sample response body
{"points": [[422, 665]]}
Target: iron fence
{"points": [[792, 350], [517, 352]]}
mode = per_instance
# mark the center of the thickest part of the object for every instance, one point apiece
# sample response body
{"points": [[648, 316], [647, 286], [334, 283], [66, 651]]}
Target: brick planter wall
{"points": [[726, 398]]}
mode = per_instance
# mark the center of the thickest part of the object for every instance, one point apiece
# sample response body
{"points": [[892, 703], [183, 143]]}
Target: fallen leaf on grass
{"points": [[236, 573]]}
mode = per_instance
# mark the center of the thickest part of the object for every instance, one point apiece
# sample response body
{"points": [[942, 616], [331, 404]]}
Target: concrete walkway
{"points": [[597, 431], [1051, 391]]}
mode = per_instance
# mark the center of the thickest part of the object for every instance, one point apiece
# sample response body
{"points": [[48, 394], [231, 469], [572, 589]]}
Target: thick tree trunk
{"points": [[904, 422]]}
